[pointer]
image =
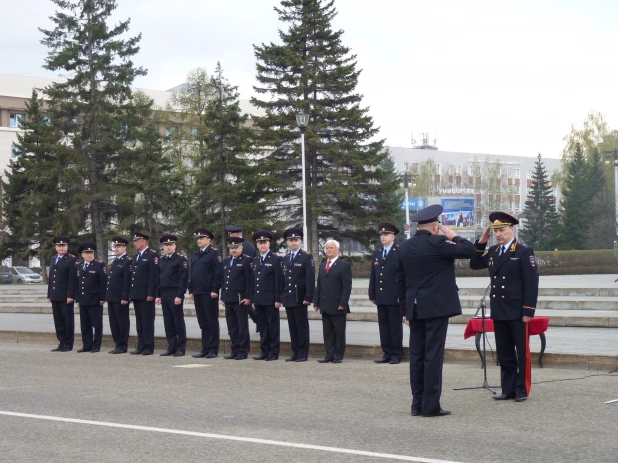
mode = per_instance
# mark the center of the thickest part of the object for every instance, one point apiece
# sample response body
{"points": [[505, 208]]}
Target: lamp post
{"points": [[405, 188], [613, 155], [302, 119]]}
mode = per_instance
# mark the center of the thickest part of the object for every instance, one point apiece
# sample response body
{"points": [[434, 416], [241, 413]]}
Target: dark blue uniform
{"points": [[267, 288], [143, 275], [383, 292], [298, 287], [118, 291], [514, 290], [60, 287], [173, 282], [236, 285], [91, 282]]}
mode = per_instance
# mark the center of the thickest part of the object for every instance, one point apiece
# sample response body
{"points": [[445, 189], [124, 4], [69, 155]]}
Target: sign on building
{"points": [[458, 213], [415, 204]]}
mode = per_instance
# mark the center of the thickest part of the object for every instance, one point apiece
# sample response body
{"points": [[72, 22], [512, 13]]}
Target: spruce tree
{"points": [[541, 225], [92, 106], [311, 71], [576, 202], [602, 228]]}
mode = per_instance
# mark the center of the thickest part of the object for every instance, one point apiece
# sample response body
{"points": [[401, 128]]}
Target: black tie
{"points": [[385, 254], [85, 265], [201, 252], [231, 261], [262, 260], [57, 260], [502, 250]]}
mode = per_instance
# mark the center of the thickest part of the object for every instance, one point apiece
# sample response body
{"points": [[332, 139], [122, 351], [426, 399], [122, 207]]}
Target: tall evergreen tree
{"points": [[602, 228], [576, 201], [92, 104], [542, 221], [312, 71]]}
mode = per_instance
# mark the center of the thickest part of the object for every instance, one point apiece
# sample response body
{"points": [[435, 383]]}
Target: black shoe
{"points": [[230, 356], [118, 351], [383, 360], [115, 351], [521, 398], [260, 357], [211, 356], [416, 412], [94, 351], [137, 352], [83, 350], [504, 397], [337, 360], [325, 360], [199, 355], [167, 353], [395, 361], [291, 359], [301, 359], [271, 358], [179, 354], [147, 352], [440, 413], [57, 349], [241, 357], [66, 349]]}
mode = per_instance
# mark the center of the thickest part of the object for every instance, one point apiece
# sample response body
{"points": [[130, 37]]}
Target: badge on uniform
{"points": [[532, 261], [156, 260], [268, 265], [92, 271], [220, 259], [298, 265], [184, 264]]}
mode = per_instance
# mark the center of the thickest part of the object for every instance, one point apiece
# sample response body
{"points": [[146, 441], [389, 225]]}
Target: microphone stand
{"points": [[485, 385]]}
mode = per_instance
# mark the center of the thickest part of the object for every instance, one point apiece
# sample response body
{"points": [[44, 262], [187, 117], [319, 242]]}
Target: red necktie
{"points": [[327, 266]]}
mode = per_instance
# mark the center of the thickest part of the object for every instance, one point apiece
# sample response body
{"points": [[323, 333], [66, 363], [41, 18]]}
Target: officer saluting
{"points": [[298, 290], [514, 289], [236, 294], [383, 293], [90, 296], [173, 281], [117, 296], [267, 288], [61, 293], [144, 276]]}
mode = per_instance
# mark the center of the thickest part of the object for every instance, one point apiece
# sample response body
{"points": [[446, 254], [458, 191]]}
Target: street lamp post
{"points": [[613, 155], [405, 187], [302, 119]]}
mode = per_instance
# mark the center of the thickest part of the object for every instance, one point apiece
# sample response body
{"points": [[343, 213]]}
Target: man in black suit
{"points": [[332, 297], [383, 293], [267, 288], [429, 294], [91, 282], [514, 290], [204, 286], [117, 296], [61, 294], [298, 288], [173, 282], [144, 276]]}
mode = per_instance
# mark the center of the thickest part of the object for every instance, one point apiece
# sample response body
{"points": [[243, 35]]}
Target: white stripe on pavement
{"points": [[232, 438]]}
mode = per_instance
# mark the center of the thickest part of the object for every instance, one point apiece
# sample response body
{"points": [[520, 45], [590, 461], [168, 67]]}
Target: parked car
{"points": [[37, 270], [6, 276], [25, 275]]}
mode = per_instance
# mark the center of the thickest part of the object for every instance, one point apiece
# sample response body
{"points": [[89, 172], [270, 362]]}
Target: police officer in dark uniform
{"points": [[91, 282], [173, 282], [298, 291], [61, 293], [236, 293], [429, 294], [204, 286], [117, 296], [383, 293], [144, 276], [514, 290], [267, 289]]}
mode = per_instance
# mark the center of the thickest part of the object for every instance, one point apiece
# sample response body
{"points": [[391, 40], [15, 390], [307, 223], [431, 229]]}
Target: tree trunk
{"points": [[313, 223]]}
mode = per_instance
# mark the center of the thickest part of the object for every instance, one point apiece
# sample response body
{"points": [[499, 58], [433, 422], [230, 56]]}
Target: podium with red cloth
{"points": [[537, 326]]}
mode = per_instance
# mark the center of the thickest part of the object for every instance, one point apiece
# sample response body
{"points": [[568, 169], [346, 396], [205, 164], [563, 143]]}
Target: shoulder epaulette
{"points": [[162, 255], [70, 255], [180, 254], [214, 249], [247, 256]]}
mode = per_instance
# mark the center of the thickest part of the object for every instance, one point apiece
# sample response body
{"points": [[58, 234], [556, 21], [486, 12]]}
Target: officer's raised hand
{"points": [[486, 234], [450, 234]]}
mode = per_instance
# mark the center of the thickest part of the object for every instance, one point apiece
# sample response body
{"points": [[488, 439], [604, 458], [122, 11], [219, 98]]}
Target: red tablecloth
{"points": [[538, 325]]}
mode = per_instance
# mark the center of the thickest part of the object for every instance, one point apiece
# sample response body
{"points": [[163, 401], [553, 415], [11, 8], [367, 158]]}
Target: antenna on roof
{"points": [[413, 140]]}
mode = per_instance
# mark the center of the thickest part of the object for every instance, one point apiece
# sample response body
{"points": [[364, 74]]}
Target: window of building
{"points": [[457, 170], [47, 120], [469, 170], [515, 173], [410, 166], [529, 174], [14, 152], [16, 119], [193, 132], [436, 169]]}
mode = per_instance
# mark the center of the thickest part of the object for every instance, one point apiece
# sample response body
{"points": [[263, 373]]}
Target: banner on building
{"points": [[458, 213]]}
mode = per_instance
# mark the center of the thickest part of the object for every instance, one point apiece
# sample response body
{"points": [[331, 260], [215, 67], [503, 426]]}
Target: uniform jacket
{"points": [[514, 280], [333, 290], [298, 279], [117, 284], [173, 275], [267, 279], [428, 265], [91, 283], [61, 284], [237, 279], [143, 275], [384, 276], [205, 272]]}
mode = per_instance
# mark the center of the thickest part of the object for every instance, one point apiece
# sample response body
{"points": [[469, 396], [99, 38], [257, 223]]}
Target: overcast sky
{"points": [[499, 77]]}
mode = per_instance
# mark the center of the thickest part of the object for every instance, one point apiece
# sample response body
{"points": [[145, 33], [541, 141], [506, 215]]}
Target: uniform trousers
{"points": [[237, 318], [390, 323], [144, 323], [298, 323], [333, 327], [174, 322], [254, 317], [207, 311], [64, 322], [269, 328], [119, 324], [514, 356], [91, 320], [427, 339]]}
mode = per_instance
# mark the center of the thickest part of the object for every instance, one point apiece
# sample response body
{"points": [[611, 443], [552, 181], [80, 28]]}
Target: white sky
{"points": [[494, 76]]}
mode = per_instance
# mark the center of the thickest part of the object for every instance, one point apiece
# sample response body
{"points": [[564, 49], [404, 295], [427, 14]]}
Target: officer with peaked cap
{"points": [[383, 293], [429, 294], [514, 280], [298, 291], [267, 289], [236, 293], [204, 286], [117, 296], [61, 293], [90, 296], [144, 277], [173, 282]]}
